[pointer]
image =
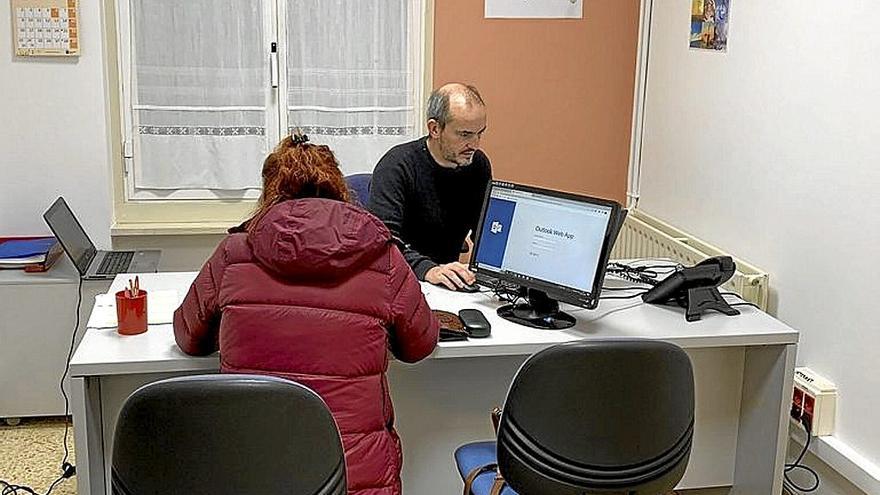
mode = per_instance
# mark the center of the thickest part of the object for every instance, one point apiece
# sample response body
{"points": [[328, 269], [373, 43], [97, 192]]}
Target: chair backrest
{"points": [[210, 434], [606, 416], [359, 186]]}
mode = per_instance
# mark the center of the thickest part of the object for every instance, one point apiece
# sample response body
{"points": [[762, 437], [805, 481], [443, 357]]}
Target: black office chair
{"points": [[226, 434], [596, 417], [359, 186]]}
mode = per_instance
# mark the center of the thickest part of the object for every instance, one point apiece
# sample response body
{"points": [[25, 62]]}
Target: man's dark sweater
{"points": [[429, 207]]}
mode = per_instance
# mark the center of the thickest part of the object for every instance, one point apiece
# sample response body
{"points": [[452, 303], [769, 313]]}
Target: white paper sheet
{"points": [[535, 9], [160, 308]]}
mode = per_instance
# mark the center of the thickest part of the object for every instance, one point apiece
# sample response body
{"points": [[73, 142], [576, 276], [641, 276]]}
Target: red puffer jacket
{"points": [[318, 294]]}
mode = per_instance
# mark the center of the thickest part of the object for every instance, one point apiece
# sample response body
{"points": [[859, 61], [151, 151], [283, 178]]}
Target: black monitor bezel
{"points": [[557, 292]]}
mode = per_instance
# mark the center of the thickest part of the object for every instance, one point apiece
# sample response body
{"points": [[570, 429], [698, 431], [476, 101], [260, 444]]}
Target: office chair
{"points": [[359, 186], [592, 417], [226, 434]]}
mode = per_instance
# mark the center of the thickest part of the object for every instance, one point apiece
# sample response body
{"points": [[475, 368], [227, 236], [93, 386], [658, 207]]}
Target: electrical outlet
{"points": [[797, 403], [814, 402]]}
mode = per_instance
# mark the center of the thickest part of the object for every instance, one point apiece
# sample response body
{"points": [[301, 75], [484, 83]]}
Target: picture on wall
{"points": [[709, 24]]}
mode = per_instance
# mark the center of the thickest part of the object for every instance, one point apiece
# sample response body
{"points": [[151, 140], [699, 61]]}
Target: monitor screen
{"points": [[545, 239]]}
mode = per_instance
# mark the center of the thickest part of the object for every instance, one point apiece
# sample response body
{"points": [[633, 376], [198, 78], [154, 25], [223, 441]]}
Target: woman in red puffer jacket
{"points": [[313, 289]]}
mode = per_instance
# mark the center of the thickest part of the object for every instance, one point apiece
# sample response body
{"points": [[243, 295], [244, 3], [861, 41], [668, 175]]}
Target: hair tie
{"points": [[299, 138]]}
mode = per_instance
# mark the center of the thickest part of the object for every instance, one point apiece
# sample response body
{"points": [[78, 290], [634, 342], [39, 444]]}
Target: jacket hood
{"points": [[317, 239]]}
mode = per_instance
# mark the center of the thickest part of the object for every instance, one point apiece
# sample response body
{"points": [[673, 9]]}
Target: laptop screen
{"points": [[70, 234]]}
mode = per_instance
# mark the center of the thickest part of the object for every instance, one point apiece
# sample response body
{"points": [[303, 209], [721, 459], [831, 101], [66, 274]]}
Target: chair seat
{"points": [[473, 455]]}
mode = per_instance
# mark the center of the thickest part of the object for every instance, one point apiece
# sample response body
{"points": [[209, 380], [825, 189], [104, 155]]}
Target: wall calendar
{"points": [[45, 28]]}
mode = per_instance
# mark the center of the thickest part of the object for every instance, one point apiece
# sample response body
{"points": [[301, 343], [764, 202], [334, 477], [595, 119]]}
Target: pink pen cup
{"points": [[131, 313]]}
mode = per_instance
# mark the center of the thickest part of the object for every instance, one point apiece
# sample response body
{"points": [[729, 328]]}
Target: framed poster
{"points": [[709, 20]]}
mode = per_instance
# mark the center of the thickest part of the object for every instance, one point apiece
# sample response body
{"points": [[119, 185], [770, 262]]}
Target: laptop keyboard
{"points": [[115, 262]]}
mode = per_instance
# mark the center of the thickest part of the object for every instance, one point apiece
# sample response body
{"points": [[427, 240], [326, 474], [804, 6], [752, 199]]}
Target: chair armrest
{"points": [[496, 419]]}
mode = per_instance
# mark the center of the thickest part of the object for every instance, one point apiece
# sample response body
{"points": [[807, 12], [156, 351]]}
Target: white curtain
{"points": [[199, 72], [352, 75]]}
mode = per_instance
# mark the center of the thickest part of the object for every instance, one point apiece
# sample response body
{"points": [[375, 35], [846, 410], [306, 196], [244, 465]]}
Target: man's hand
{"points": [[452, 275]]}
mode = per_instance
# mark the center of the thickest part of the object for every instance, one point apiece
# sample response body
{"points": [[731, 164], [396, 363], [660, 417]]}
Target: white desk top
{"points": [[104, 352]]}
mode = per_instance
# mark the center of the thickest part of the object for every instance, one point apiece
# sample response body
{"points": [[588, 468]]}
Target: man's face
{"points": [[460, 139]]}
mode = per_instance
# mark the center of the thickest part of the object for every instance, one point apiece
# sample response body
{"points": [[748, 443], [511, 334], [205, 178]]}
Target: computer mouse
{"points": [[467, 288]]}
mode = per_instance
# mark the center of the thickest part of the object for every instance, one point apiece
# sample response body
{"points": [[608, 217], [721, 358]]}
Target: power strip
{"points": [[814, 401]]}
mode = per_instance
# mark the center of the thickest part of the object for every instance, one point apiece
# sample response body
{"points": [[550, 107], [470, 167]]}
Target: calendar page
{"points": [[45, 28]]}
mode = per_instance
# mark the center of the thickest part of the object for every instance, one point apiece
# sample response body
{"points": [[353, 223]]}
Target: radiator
{"points": [[643, 236]]}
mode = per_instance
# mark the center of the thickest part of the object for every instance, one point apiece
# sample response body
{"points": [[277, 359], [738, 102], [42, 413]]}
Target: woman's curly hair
{"points": [[298, 169]]}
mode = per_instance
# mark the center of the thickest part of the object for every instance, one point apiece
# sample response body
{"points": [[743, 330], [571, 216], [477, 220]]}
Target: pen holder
{"points": [[131, 313]]}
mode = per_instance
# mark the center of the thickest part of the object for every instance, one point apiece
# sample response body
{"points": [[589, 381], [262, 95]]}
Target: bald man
{"points": [[429, 192]]}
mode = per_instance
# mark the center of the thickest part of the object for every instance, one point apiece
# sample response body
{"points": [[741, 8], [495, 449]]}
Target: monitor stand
{"points": [[539, 312]]}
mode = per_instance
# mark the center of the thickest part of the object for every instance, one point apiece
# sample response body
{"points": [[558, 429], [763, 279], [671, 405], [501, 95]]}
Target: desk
{"points": [[743, 371]]}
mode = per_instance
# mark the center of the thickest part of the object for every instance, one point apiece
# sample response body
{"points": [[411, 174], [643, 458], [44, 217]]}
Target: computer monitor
{"points": [[553, 244]]}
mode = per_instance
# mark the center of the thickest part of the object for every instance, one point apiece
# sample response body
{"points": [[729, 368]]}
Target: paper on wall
{"points": [[535, 9]]}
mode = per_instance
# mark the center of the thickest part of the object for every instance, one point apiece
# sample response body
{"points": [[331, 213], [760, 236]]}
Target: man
{"points": [[429, 192]]}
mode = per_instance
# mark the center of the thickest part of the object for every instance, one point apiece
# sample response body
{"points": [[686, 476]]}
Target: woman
{"points": [[312, 289]]}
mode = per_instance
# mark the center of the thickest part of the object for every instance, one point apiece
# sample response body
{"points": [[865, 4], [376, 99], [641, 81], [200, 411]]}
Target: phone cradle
{"points": [[695, 288], [700, 299]]}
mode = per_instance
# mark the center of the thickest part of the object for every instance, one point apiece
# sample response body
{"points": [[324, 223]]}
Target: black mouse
{"points": [[467, 288]]}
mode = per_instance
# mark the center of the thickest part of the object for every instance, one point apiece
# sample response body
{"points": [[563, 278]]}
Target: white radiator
{"points": [[644, 236]]}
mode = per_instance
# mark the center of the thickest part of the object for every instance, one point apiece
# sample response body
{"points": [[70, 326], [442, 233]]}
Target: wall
{"points": [[770, 151], [53, 133], [559, 92]]}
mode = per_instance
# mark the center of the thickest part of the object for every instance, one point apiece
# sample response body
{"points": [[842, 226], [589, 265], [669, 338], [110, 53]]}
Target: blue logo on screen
{"points": [[493, 238]]}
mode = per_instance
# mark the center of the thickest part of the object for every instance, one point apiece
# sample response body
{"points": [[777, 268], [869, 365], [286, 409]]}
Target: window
{"points": [[210, 86]]}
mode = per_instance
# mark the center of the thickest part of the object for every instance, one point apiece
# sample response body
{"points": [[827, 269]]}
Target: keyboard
{"points": [[115, 262]]}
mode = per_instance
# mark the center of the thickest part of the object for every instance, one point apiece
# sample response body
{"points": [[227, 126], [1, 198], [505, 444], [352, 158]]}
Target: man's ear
{"points": [[434, 128]]}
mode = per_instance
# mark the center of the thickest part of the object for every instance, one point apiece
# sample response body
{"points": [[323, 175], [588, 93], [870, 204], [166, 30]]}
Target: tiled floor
{"points": [[31, 453]]}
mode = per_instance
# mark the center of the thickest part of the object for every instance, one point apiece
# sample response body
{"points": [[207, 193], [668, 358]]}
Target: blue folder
{"points": [[22, 248]]}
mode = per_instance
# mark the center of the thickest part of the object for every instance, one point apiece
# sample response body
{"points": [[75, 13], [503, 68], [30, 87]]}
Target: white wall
{"points": [[53, 133], [771, 151]]}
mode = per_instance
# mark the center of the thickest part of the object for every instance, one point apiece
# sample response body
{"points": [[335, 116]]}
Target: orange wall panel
{"points": [[559, 91]]}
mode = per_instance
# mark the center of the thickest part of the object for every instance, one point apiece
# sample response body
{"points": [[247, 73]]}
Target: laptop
{"points": [[91, 263]]}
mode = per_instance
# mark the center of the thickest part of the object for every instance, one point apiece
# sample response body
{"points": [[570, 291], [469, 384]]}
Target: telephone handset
{"points": [[695, 288]]}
